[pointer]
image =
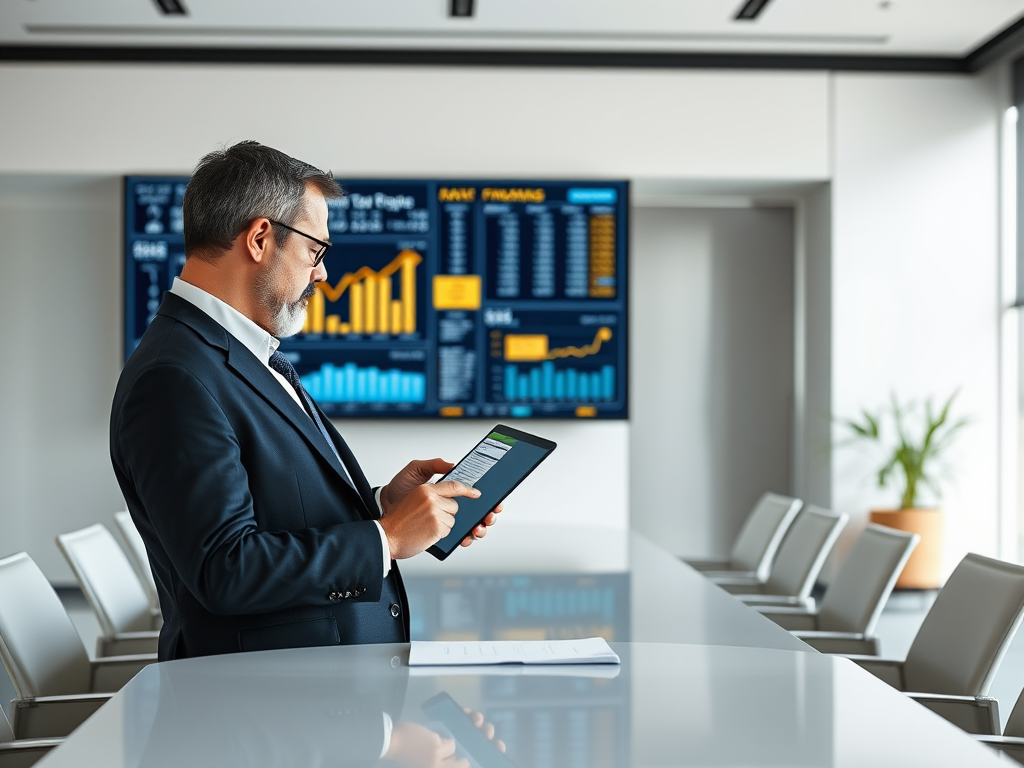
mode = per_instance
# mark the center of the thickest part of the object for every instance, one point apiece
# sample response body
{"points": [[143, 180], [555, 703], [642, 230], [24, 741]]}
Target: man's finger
{"points": [[451, 488]]}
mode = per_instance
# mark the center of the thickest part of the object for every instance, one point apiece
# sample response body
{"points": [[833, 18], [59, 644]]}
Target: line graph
{"points": [[372, 305]]}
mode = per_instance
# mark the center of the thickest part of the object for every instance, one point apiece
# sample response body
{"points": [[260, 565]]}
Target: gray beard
{"points": [[286, 318]]}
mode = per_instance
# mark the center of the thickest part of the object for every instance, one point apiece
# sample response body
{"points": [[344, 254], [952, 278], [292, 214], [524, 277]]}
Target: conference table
{"points": [[703, 680]]}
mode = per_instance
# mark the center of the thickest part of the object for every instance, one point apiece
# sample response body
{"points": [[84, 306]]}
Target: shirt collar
{"points": [[254, 338]]}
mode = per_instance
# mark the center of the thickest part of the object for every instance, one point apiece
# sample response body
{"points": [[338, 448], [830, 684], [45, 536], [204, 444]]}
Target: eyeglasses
{"points": [[324, 244]]}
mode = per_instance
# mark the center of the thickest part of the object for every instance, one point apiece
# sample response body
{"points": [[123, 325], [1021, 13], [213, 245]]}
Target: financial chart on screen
{"points": [[443, 298]]}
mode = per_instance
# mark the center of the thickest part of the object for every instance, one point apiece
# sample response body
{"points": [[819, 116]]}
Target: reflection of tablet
{"points": [[499, 463], [443, 709]]}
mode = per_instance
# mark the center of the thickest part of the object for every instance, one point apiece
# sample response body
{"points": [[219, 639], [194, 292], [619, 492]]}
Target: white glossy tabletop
{"points": [[667, 705], [704, 680]]}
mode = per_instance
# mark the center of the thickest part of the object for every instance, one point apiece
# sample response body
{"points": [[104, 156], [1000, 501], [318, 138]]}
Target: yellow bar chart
{"points": [[372, 305]]}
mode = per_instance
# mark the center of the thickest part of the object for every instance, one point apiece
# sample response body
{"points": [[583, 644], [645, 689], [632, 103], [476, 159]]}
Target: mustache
{"points": [[308, 293]]}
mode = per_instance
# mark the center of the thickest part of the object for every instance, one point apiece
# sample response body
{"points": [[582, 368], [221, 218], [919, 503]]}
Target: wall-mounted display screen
{"points": [[458, 298]]}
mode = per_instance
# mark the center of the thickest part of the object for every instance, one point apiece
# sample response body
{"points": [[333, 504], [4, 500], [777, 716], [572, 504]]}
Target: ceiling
{"points": [[944, 29]]}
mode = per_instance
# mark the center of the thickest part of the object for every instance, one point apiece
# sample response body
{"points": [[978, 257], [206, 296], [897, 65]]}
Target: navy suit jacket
{"points": [[256, 539]]}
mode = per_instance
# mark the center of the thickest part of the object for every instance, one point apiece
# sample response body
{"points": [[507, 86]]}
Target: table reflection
{"points": [[519, 607]]}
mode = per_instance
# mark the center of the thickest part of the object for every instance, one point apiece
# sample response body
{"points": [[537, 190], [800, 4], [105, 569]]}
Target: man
{"points": [[262, 530]]}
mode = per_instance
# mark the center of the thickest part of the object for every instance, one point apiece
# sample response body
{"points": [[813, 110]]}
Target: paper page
{"points": [[591, 650]]}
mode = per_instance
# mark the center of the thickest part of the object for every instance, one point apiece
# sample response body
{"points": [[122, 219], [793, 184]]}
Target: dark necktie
{"points": [[279, 363]]}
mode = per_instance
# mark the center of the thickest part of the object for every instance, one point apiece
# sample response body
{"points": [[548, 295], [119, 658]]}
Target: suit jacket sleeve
{"points": [[182, 454]]}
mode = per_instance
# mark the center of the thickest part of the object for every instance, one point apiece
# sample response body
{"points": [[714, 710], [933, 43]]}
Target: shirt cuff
{"points": [[384, 548]]}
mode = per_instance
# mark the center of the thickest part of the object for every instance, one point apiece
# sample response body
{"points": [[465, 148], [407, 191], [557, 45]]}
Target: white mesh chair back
{"points": [[107, 579], [39, 646], [963, 638], [856, 596], [763, 530], [803, 552], [135, 549]]}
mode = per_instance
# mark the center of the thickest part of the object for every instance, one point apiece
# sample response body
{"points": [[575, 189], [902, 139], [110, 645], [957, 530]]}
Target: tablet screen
{"points": [[494, 467]]}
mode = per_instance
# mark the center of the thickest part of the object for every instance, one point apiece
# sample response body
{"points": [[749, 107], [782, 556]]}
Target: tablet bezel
{"points": [[517, 434]]}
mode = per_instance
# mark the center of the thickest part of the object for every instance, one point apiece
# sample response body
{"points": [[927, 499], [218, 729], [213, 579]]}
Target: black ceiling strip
{"points": [[172, 7], [1005, 43], [751, 10], [485, 58], [461, 9]]}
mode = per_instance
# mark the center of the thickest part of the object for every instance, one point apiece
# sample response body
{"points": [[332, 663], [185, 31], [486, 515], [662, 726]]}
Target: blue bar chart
{"points": [[351, 383], [550, 383]]}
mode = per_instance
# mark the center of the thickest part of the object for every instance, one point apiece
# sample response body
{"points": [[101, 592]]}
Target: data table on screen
{"points": [[443, 298]]}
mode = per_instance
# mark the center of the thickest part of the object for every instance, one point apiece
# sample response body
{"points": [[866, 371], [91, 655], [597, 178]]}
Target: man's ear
{"points": [[257, 238]]}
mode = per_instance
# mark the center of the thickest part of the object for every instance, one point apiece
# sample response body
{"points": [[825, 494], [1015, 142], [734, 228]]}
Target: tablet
{"points": [[499, 463]]}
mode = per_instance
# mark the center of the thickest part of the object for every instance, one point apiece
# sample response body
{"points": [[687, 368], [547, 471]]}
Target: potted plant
{"points": [[911, 460]]}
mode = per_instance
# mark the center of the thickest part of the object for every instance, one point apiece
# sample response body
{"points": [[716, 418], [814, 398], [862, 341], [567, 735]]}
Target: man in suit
{"points": [[261, 528]]}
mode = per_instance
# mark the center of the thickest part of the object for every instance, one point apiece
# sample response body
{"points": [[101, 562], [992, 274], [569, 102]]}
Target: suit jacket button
{"points": [[348, 593], [333, 596], [396, 611]]}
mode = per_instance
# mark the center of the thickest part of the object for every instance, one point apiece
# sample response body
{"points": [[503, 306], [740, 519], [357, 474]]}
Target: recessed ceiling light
{"points": [[750, 10], [461, 9], [171, 7]]}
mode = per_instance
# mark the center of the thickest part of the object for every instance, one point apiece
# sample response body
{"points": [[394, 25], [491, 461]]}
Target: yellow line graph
{"points": [[603, 334], [371, 306]]}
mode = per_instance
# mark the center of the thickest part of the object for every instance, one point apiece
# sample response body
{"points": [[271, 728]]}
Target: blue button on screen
{"points": [[584, 196]]}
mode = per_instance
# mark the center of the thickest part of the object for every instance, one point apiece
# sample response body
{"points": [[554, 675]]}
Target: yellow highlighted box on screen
{"points": [[457, 292], [524, 348]]}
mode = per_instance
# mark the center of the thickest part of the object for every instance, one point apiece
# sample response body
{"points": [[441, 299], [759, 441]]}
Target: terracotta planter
{"points": [[923, 568]]}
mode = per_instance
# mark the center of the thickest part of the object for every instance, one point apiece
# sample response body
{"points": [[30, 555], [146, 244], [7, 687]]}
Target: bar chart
{"points": [[546, 382], [351, 383], [372, 305]]}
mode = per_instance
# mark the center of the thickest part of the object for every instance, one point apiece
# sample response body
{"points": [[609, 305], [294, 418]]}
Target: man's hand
{"points": [[423, 517], [413, 476], [414, 746]]}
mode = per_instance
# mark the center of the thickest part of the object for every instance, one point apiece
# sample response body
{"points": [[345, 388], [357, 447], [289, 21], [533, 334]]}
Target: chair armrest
{"points": [[20, 754], [51, 716], [787, 617], [847, 643], [127, 643], [708, 564], [112, 673], [739, 587], [974, 714], [782, 601], [887, 670], [1011, 746]]}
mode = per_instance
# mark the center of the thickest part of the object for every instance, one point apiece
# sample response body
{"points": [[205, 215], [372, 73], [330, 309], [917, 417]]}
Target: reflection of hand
{"points": [[417, 515], [414, 746], [486, 728]]}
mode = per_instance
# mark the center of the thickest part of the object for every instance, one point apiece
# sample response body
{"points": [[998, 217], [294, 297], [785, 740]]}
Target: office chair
{"points": [[56, 685], [113, 590], [135, 549], [24, 753], [1011, 742], [798, 563], [960, 644], [854, 600], [757, 542]]}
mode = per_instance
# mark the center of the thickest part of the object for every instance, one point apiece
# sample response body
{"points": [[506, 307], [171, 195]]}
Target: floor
{"points": [[897, 626]]}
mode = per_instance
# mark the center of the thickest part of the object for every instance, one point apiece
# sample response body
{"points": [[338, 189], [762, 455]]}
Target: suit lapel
{"points": [[262, 381], [362, 485]]}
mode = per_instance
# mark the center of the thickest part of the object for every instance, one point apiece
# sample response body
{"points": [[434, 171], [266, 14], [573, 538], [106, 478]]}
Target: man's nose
{"points": [[319, 273]]}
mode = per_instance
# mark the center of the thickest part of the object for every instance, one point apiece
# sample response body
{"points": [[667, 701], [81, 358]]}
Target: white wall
{"points": [[911, 158], [711, 347], [915, 278]]}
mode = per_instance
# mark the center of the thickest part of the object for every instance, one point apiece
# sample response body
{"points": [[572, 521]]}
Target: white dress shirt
{"points": [[262, 345]]}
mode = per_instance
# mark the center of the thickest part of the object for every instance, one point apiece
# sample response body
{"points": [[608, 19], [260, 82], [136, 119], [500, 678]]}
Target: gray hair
{"points": [[232, 187]]}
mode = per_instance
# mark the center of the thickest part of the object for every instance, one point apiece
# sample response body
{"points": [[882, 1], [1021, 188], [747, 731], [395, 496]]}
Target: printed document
{"points": [[591, 650]]}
